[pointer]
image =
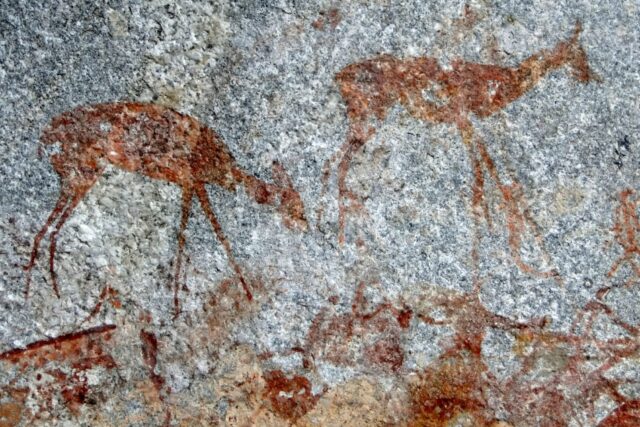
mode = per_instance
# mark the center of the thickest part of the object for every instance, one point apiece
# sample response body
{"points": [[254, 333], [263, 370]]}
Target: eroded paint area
{"points": [[56, 373], [626, 230], [558, 378], [365, 336]]}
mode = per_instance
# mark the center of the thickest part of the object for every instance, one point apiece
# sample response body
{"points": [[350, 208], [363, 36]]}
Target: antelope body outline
{"points": [[370, 88], [162, 144]]}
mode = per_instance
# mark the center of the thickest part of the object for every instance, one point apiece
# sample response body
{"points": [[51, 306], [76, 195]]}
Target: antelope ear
{"points": [[577, 29], [575, 36]]}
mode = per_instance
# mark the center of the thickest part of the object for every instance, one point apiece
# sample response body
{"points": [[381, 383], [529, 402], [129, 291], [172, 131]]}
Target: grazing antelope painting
{"points": [[431, 93], [162, 144]]}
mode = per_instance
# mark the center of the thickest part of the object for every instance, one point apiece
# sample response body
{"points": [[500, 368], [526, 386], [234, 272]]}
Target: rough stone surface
{"points": [[462, 269]]}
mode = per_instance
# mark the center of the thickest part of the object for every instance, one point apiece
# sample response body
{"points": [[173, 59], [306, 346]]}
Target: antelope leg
{"points": [[187, 197], [53, 216], [356, 139], [201, 192], [78, 194]]}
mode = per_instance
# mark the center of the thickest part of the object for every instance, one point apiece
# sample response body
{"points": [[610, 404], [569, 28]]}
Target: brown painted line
{"points": [[57, 340]]}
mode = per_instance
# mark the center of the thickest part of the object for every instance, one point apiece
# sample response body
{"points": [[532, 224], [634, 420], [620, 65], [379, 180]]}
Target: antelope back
{"points": [[144, 138]]}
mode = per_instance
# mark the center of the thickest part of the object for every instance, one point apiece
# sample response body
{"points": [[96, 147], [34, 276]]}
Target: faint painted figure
{"points": [[428, 92], [626, 230], [46, 376], [159, 143]]}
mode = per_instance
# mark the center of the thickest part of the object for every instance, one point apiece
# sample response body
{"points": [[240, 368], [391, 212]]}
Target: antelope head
{"points": [[578, 60]]}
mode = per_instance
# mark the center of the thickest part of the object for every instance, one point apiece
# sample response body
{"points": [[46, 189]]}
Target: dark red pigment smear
{"points": [[17, 354]]}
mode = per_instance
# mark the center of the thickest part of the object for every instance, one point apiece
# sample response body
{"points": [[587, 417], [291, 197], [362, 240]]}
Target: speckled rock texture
{"points": [[315, 213]]}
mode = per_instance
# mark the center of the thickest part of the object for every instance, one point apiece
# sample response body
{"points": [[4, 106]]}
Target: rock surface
{"points": [[468, 249]]}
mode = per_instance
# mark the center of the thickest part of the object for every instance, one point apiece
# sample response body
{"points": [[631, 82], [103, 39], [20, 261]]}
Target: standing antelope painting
{"points": [[372, 87], [162, 144]]}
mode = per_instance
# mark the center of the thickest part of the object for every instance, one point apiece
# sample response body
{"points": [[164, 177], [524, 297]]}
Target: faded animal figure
{"points": [[162, 144], [626, 230], [428, 92]]}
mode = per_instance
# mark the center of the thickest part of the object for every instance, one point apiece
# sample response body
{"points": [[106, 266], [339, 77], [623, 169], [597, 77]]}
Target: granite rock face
{"points": [[429, 211]]}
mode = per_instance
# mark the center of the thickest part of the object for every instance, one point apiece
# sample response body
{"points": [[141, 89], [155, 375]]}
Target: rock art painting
{"points": [[475, 256], [159, 143], [431, 93], [626, 229], [54, 371]]}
